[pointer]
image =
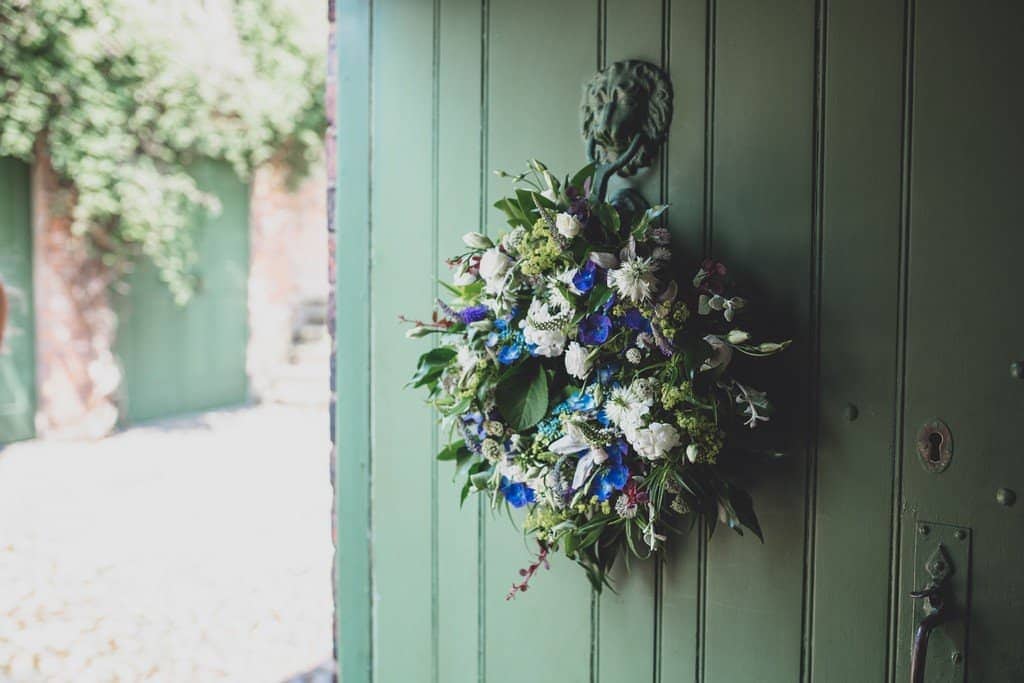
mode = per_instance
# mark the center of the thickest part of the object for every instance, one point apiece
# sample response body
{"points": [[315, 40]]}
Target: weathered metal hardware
{"points": [[625, 112], [1006, 497], [935, 446], [939, 568]]}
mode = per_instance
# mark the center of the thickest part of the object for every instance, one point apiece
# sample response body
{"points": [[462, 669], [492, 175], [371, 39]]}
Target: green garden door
{"points": [[858, 161], [17, 355]]}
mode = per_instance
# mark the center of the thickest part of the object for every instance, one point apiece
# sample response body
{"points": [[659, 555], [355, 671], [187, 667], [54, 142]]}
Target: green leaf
{"points": [[452, 450], [599, 296], [743, 506], [431, 365], [582, 175], [523, 397]]}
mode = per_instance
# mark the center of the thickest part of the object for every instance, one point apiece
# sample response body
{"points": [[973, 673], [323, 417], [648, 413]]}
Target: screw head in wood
{"points": [[1006, 497]]}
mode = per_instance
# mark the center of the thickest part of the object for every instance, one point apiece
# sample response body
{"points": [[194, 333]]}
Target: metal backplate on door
{"points": [[947, 644]]}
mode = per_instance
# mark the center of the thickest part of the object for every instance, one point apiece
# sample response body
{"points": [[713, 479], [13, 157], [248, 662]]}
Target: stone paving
{"points": [[193, 550]]}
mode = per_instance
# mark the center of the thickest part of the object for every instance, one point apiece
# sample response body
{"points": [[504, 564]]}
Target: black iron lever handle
{"points": [[932, 618]]}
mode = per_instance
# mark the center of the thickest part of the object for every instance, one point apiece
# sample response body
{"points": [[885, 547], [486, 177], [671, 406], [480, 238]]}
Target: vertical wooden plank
{"points": [[541, 53], [627, 644], [762, 182], [17, 355], [401, 282], [353, 466], [963, 265], [685, 160], [860, 271], [458, 201]]}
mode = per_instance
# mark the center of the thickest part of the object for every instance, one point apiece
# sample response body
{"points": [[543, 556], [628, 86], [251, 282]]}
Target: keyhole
{"points": [[934, 444]]}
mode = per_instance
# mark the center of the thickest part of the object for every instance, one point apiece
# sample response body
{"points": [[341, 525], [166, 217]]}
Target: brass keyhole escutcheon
{"points": [[935, 445]]}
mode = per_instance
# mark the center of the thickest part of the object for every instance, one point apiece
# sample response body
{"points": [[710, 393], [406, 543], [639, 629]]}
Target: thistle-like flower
{"points": [[634, 279]]}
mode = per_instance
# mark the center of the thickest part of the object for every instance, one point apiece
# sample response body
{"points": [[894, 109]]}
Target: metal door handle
{"points": [[933, 609]]}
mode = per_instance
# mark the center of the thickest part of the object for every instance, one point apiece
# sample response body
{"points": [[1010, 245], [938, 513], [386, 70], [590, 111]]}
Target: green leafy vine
{"points": [[126, 95]]}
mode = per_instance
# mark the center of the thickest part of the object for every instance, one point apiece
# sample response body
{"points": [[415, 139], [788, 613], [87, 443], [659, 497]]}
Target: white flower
{"points": [[661, 254], [692, 452], [567, 225], [654, 441], [634, 356], [634, 279], [577, 360], [721, 353], [651, 537], [466, 359], [738, 337], [476, 240], [494, 264], [543, 325], [604, 259], [464, 276], [586, 464], [718, 302], [625, 409], [549, 342]]}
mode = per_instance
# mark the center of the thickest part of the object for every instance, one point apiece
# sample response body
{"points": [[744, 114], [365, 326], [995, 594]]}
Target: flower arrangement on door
{"points": [[577, 377]]}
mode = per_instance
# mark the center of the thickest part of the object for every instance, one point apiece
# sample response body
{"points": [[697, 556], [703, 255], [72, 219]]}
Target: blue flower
{"points": [[473, 314], [580, 402], [606, 373], [635, 320], [517, 494], [594, 329], [584, 278], [612, 479], [602, 417], [510, 353], [615, 475]]}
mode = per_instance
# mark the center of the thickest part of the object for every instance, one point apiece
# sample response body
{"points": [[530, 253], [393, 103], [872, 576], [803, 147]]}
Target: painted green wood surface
{"points": [[17, 357], [184, 359], [964, 217], [789, 159]]}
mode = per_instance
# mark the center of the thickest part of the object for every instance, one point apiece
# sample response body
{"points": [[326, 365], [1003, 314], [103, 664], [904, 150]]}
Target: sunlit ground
{"points": [[194, 550]]}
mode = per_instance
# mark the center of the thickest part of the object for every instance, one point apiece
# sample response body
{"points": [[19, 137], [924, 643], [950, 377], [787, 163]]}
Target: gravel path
{"points": [[189, 551]]}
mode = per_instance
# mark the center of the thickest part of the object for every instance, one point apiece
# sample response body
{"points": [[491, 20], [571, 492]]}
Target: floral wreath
{"points": [[583, 383]]}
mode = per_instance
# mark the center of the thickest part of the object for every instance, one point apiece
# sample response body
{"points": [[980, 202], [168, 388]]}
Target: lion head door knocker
{"points": [[626, 112]]}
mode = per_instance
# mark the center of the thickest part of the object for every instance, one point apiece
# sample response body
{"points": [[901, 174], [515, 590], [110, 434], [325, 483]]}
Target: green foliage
{"points": [[126, 95]]}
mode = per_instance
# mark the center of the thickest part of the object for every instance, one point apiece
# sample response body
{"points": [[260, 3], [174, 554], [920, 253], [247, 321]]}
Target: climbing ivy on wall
{"points": [[126, 94]]}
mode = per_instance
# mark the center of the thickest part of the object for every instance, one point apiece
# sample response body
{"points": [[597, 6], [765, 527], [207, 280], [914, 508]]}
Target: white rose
{"points": [[493, 265], [567, 225], [577, 361], [655, 440]]}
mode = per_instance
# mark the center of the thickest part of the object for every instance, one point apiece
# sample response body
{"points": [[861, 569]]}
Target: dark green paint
{"points": [[185, 359], [857, 170], [17, 356]]}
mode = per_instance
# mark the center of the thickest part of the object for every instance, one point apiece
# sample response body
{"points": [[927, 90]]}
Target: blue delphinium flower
{"points": [[510, 353], [595, 329], [615, 474], [635, 320], [517, 493], [473, 314], [585, 277], [580, 402], [473, 430]]}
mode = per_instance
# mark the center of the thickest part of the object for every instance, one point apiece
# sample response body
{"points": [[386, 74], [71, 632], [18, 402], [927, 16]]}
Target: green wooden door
{"points": [[844, 158], [185, 359], [17, 356]]}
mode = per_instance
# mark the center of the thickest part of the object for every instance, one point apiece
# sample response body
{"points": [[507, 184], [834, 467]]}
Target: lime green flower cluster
{"points": [[676, 395], [541, 520], [540, 251], [703, 433]]}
